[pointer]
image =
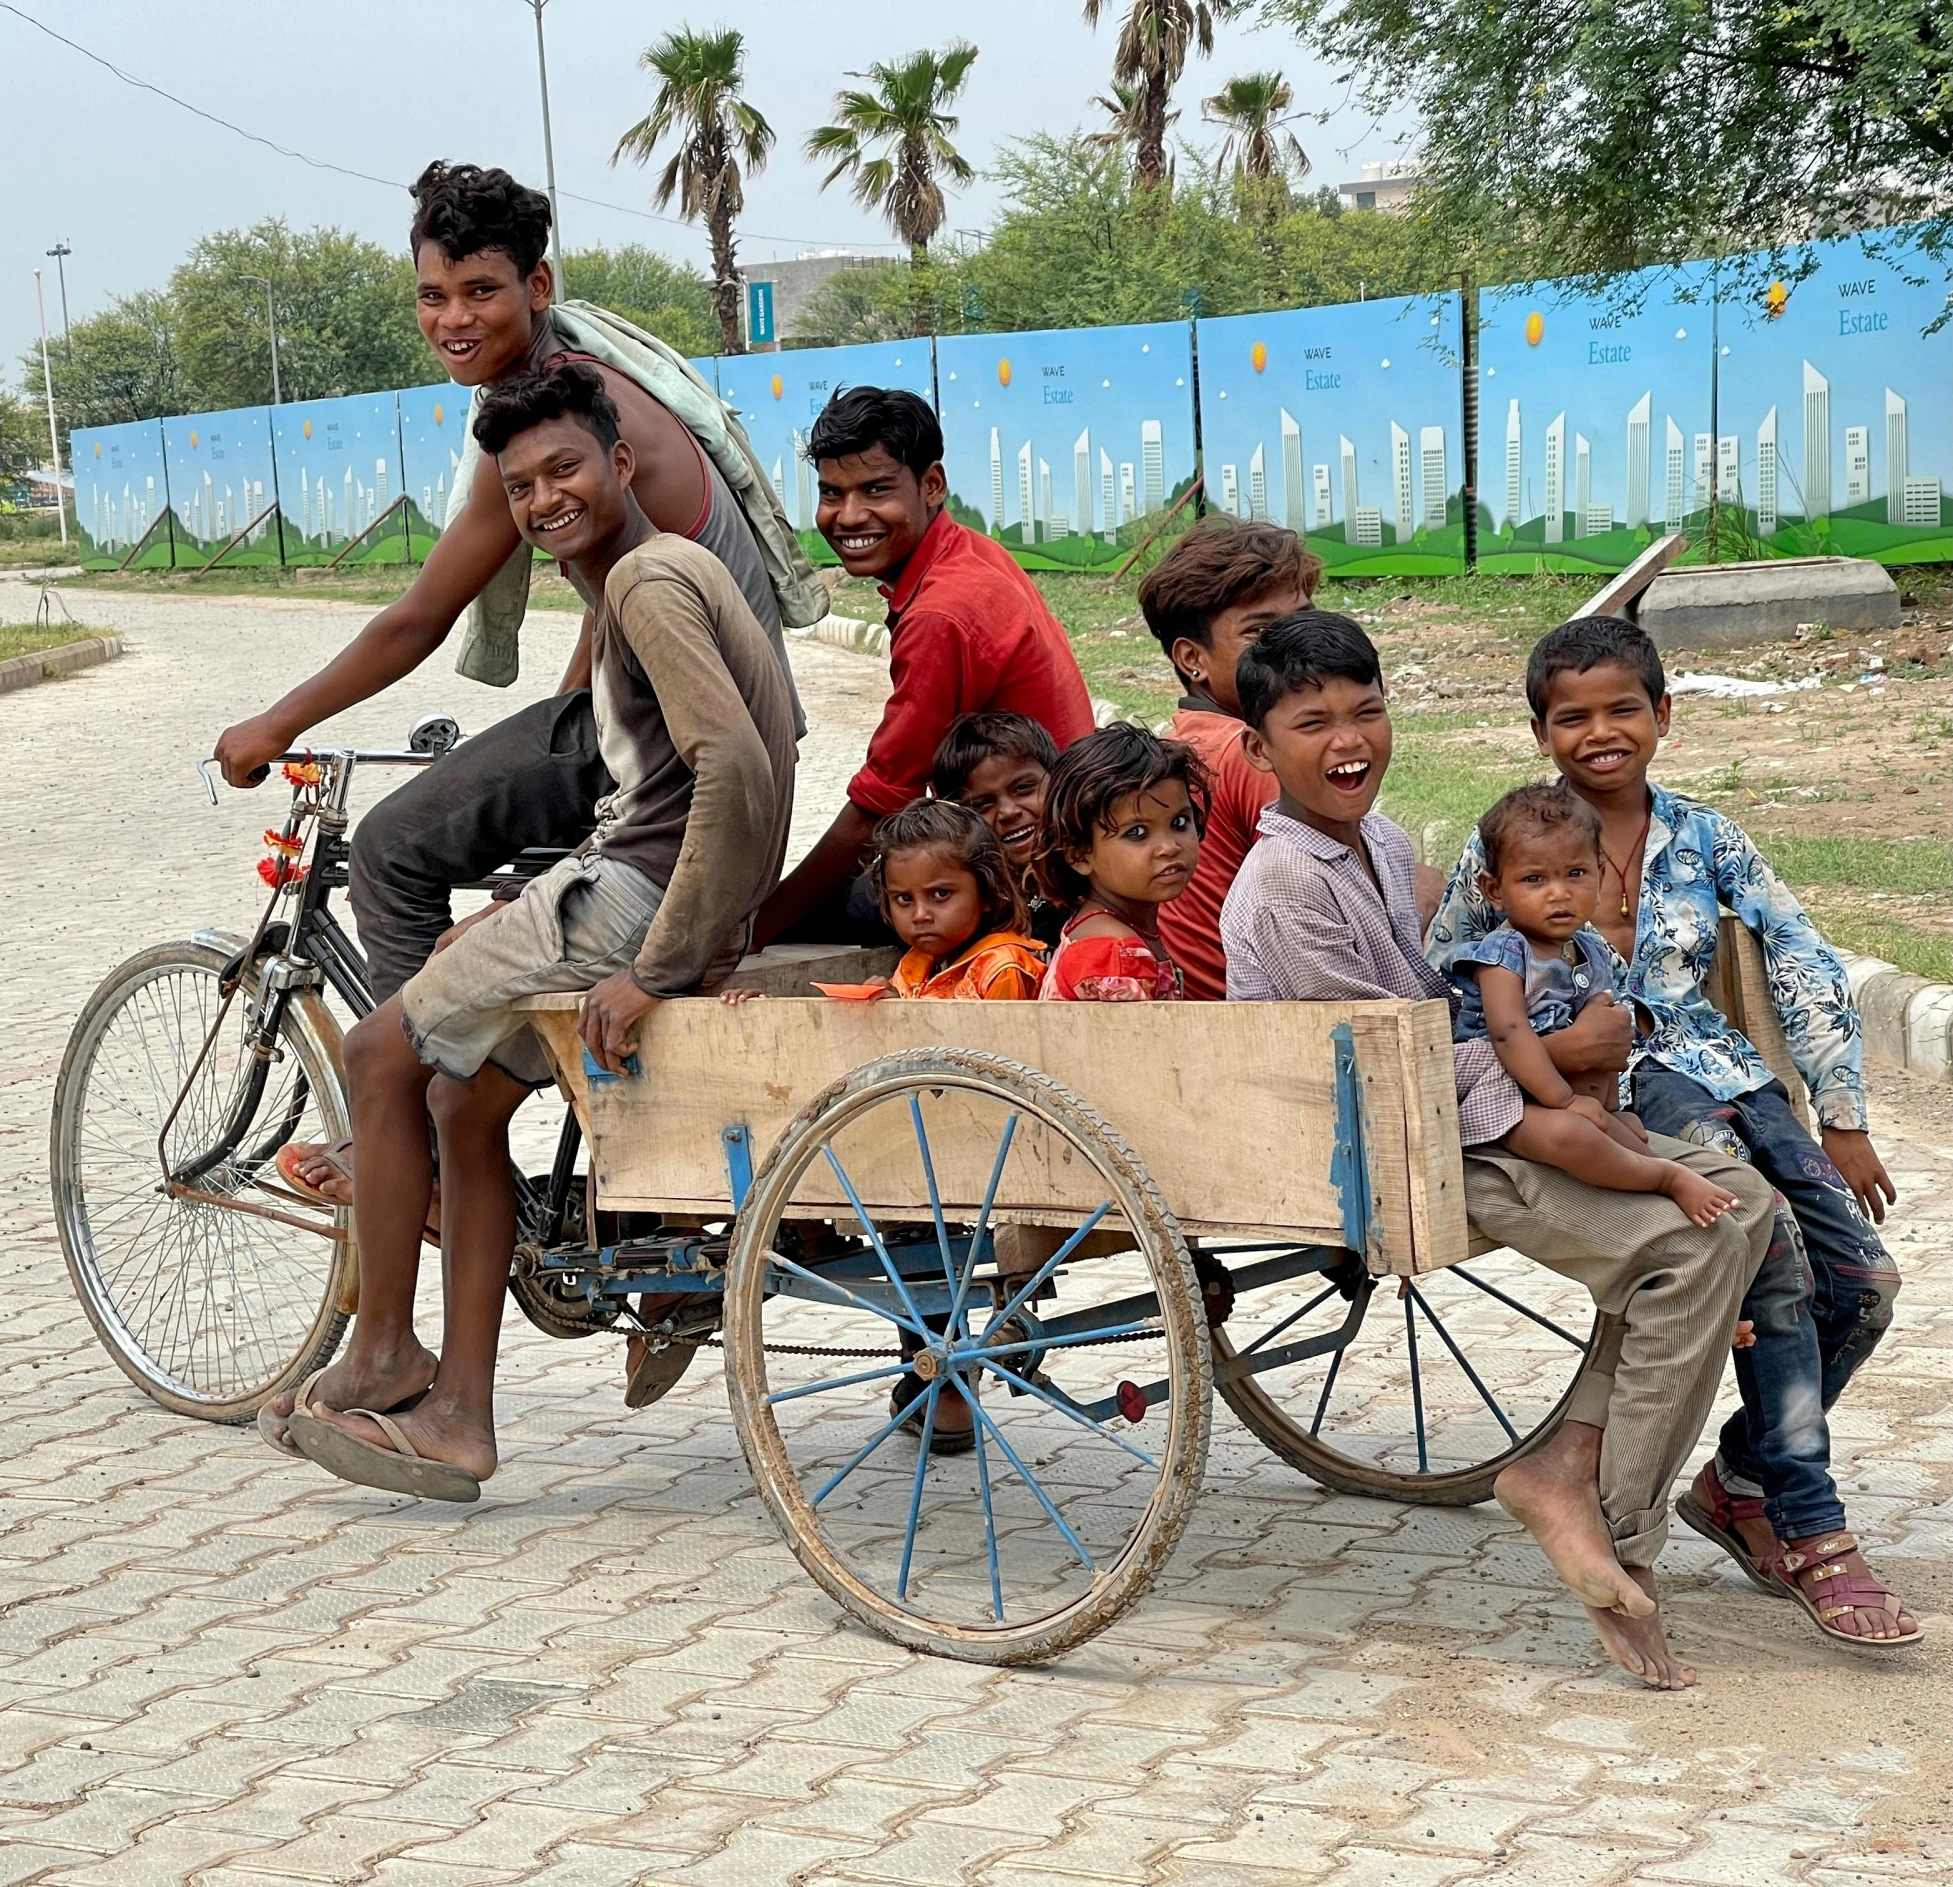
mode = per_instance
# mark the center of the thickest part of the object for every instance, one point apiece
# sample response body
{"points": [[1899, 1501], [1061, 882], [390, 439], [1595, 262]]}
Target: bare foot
{"points": [[355, 1382], [439, 1429], [1702, 1199], [1639, 1645], [1555, 1495]]}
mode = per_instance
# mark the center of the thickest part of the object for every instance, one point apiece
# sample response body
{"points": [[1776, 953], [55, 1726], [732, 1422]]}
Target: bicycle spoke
{"points": [[935, 1196], [1458, 1357], [1417, 1387], [989, 1510], [1052, 1263], [1512, 1303], [1031, 1481], [960, 1303], [1067, 1408], [874, 1237], [1294, 1317], [929, 1399], [829, 1383]]}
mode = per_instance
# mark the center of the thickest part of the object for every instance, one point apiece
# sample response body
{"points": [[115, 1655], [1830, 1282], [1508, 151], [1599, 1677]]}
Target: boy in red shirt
{"points": [[1209, 597], [968, 634]]}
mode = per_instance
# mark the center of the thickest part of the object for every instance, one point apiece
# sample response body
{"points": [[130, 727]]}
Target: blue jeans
{"points": [[1820, 1303]]}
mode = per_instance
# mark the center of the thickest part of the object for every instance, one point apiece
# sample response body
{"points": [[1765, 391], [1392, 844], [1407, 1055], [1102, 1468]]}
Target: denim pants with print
{"points": [[1820, 1304]]}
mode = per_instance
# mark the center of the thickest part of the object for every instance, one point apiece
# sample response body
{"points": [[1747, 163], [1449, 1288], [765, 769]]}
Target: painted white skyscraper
{"points": [[1729, 468], [1258, 485], [1858, 465], [996, 484], [780, 482], [1583, 483], [1348, 452], [1324, 515], [1081, 478], [1044, 495], [1127, 496], [1230, 491], [1152, 460], [1400, 482], [1555, 507], [1817, 443], [1637, 460], [1431, 468], [803, 476], [1766, 474], [1294, 503], [1675, 471], [1515, 467], [1922, 508], [1108, 505], [1026, 496], [1705, 458], [1898, 459]]}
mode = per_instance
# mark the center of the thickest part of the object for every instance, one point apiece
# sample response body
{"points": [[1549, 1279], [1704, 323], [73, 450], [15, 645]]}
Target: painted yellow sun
{"points": [[308, 429], [1535, 328], [193, 440], [779, 386], [1776, 298], [440, 413], [1258, 357], [98, 448], [1003, 373]]}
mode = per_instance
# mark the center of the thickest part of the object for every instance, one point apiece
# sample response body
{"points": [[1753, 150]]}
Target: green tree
{"points": [[1154, 42], [1125, 107], [671, 299], [699, 102], [345, 310], [23, 431], [1594, 139], [1257, 152], [907, 116], [120, 365]]}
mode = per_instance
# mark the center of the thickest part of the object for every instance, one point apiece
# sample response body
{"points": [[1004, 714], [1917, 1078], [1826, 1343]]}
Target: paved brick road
{"points": [[215, 1668]]}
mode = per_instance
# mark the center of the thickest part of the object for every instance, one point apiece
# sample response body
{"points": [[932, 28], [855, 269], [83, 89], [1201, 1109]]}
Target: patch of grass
{"points": [[1922, 952], [1523, 608], [27, 638], [1918, 867]]}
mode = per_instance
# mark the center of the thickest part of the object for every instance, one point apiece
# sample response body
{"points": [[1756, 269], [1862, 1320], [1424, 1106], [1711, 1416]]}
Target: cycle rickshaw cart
{"points": [[1073, 1224]]}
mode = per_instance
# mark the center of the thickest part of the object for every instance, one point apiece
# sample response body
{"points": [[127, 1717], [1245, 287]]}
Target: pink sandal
{"points": [[1828, 1577], [1713, 1511]]}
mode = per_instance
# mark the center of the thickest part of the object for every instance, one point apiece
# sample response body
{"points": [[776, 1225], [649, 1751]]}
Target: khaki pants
{"points": [[1669, 1292]]}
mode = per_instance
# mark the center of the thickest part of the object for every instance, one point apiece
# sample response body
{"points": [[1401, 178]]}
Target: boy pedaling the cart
{"points": [[1323, 911], [696, 725]]}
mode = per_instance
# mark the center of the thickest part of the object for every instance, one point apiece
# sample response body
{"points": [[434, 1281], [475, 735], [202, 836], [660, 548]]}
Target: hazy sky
{"points": [[382, 86]]}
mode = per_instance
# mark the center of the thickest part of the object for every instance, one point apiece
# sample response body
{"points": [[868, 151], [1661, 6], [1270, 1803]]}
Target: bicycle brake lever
{"points": [[256, 777]]}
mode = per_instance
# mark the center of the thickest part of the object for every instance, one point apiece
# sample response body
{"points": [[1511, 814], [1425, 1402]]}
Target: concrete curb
{"points": [[847, 632], [23, 671], [1908, 1021]]}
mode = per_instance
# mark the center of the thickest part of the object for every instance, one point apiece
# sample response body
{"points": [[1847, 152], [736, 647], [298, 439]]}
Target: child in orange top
{"points": [[1123, 813], [943, 883]]}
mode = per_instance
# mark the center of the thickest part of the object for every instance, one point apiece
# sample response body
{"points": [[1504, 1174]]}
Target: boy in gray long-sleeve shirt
{"points": [[696, 724]]}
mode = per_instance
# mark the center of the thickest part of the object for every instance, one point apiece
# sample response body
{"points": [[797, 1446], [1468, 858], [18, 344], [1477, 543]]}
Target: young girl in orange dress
{"points": [[948, 891], [1122, 819]]}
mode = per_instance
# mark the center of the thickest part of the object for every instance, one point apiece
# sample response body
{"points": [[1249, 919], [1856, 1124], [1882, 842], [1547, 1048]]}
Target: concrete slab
{"points": [[1729, 605]]}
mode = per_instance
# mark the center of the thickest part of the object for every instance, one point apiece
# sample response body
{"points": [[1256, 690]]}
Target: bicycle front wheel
{"points": [[208, 1309]]}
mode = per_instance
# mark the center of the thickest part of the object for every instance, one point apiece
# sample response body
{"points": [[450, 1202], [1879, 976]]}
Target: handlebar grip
{"points": [[258, 775]]}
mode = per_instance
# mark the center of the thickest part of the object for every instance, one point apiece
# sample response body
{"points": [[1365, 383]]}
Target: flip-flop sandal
{"points": [[293, 1154], [275, 1430], [1818, 1579], [401, 1469], [1717, 1522]]}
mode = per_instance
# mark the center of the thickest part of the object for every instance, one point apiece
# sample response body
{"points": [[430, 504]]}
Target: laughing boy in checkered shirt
{"points": [[1324, 911]]}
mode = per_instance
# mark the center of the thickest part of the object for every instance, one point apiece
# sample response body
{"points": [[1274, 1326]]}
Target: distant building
{"points": [[1348, 453], [1026, 495], [1858, 465], [1437, 483], [1400, 482], [1675, 481], [1898, 460], [1922, 504], [1366, 527], [1044, 495], [1705, 458], [1583, 484], [1322, 488], [1817, 443], [1128, 507], [1383, 186], [1294, 499], [1597, 520], [1108, 507], [1766, 474], [1081, 479], [1729, 469], [1152, 461], [996, 483], [1637, 461], [1258, 486], [796, 283], [1515, 467], [1231, 491], [1556, 479]]}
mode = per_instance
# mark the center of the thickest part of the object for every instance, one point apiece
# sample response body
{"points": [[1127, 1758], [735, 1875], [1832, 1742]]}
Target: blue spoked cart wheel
{"points": [[950, 1232]]}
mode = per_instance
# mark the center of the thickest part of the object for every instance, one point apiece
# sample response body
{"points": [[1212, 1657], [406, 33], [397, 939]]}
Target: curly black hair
{"points": [[568, 390], [1528, 811], [858, 419], [974, 738], [464, 209], [941, 825], [1593, 642], [1091, 777]]}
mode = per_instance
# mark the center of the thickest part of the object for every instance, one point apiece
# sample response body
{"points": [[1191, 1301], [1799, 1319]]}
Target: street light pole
{"points": [[271, 322], [549, 154], [61, 252], [53, 435]]}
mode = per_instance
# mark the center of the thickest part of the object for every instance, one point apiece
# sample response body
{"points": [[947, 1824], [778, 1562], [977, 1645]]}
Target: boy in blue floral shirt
{"points": [[1600, 708]]}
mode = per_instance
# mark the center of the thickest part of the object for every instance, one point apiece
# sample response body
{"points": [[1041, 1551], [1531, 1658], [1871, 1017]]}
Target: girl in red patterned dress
{"points": [[1122, 819]]}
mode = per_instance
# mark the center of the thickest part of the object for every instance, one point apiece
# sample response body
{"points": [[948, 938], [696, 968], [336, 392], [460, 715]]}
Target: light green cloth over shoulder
{"points": [[491, 642]]}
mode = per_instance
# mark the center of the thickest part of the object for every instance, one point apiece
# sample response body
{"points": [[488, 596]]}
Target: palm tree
{"points": [[1126, 108], [1253, 110], [907, 116], [698, 102], [1151, 55]]}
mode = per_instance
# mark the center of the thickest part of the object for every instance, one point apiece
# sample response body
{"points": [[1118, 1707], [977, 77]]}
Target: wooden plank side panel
{"points": [[1433, 1163], [1231, 1107]]}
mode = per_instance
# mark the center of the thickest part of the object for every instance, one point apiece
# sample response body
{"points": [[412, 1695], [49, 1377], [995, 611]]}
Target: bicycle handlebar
{"points": [[351, 756]]}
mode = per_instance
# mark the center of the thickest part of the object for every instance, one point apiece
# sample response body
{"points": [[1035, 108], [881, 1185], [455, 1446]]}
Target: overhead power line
{"points": [[366, 176]]}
